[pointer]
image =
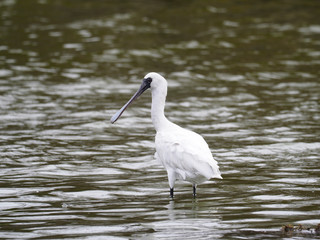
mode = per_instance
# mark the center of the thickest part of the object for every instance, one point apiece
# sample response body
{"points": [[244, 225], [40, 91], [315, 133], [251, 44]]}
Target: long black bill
{"points": [[144, 86]]}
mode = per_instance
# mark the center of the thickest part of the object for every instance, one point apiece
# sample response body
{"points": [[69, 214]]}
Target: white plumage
{"points": [[183, 153]]}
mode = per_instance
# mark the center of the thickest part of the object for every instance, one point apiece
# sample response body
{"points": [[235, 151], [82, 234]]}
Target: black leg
{"points": [[194, 191], [171, 192]]}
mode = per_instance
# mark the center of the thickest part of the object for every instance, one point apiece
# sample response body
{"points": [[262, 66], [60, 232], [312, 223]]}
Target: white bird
{"points": [[183, 153]]}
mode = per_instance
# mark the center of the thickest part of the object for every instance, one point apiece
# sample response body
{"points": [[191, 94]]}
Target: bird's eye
{"points": [[149, 80]]}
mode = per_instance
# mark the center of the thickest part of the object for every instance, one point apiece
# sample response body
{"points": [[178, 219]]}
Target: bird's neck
{"points": [[157, 110]]}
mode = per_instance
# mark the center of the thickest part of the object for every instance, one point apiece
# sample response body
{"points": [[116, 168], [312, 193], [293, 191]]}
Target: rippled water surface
{"points": [[244, 74]]}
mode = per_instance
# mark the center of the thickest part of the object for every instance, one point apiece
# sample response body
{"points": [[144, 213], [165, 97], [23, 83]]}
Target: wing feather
{"points": [[186, 153]]}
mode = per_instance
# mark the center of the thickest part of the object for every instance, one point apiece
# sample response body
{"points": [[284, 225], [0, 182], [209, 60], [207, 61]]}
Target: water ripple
{"points": [[249, 85]]}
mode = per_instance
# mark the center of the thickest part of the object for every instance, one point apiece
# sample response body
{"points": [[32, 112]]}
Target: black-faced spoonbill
{"points": [[183, 153]]}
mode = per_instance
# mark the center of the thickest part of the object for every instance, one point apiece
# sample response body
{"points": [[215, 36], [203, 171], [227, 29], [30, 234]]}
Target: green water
{"points": [[243, 74]]}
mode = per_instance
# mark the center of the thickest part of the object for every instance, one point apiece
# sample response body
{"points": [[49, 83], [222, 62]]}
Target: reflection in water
{"points": [[245, 76]]}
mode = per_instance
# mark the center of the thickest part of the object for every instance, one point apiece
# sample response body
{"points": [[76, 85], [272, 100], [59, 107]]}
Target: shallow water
{"points": [[244, 75]]}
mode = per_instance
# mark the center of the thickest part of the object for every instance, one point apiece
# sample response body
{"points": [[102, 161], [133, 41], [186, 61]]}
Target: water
{"points": [[244, 75]]}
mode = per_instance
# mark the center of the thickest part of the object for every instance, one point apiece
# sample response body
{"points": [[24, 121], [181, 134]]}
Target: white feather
{"points": [[183, 153]]}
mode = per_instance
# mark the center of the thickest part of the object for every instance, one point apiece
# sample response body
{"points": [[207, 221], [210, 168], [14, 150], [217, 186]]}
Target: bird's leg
{"points": [[194, 190], [171, 192], [171, 179]]}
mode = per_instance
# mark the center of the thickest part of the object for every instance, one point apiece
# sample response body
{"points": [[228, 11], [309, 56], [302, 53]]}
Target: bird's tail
{"points": [[215, 170]]}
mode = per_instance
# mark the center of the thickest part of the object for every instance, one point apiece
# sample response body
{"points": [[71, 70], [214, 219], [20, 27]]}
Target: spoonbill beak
{"points": [[144, 86]]}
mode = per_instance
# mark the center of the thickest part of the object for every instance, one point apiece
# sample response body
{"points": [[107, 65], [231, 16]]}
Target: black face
{"points": [[144, 86], [148, 80]]}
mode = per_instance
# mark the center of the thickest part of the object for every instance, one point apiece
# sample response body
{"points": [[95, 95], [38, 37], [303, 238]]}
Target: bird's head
{"points": [[155, 81], [152, 80]]}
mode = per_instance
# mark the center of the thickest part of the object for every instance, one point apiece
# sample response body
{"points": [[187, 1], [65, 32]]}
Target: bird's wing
{"points": [[186, 153]]}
